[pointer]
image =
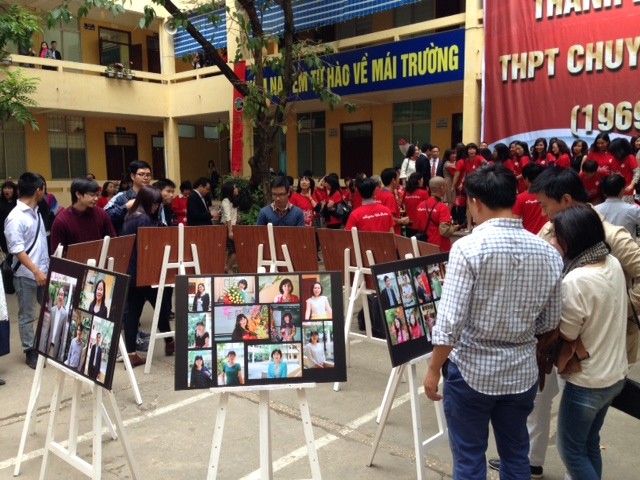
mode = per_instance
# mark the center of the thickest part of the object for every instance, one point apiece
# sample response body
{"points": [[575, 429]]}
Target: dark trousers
{"points": [[138, 296]]}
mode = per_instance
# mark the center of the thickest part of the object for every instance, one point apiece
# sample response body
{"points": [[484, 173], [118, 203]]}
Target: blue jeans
{"points": [[468, 415], [28, 293], [580, 418]]}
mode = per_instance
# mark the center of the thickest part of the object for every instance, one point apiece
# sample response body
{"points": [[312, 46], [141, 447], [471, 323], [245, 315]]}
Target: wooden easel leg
{"points": [[73, 422], [391, 383], [97, 434], [156, 311], [355, 291], [110, 425], [417, 422], [124, 438], [266, 471], [30, 417], [394, 380], [308, 434], [129, 369], [218, 430], [51, 429]]}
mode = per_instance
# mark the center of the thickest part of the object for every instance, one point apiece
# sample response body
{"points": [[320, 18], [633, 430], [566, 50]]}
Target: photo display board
{"points": [[81, 318], [409, 293], [259, 329]]}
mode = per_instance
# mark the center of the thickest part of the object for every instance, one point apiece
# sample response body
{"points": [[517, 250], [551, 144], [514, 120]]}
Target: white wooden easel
{"points": [[69, 454], [273, 264], [353, 290], [29, 427], [414, 389], [181, 265], [266, 463]]}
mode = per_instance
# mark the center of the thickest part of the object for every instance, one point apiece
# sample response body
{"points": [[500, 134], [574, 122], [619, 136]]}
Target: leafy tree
{"points": [[17, 25], [265, 109]]}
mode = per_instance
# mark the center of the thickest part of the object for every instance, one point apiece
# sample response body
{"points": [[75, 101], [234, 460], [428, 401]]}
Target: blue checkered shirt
{"points": [[502, 287]]}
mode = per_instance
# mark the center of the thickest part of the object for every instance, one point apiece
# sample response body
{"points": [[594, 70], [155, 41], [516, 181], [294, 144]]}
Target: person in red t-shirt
{"points": [[387, 197], [599, 152], [539, 152], [356, 198], [626, 164], [370, 216], [591, 178], [527, 206], [333, 198], [560, 155], [414, 194], [434, 217], [305, 199], [179, 204]]}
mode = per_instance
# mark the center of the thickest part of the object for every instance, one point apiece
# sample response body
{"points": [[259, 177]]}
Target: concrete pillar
{"points": [[474, 52], [172, 149], [167, 50]]}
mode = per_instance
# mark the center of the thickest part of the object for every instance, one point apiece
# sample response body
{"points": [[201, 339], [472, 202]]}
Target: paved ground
{"points": [[172, 431]]}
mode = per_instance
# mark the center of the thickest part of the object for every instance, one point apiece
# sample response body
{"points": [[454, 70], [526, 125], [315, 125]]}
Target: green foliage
{"points": [[15, 100], [17, 25], [250, 199]]}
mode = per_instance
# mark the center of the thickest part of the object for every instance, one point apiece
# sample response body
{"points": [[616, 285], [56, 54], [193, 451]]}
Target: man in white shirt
{"points": [[614, 210], [27, 242]]}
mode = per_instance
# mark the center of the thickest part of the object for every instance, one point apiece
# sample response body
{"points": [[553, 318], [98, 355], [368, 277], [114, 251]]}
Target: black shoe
{"points": [[536, 472], [32, 358], [494, 464], [2, 382]]}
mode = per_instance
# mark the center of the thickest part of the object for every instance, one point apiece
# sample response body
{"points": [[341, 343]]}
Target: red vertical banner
{"points": [[237, 132]]}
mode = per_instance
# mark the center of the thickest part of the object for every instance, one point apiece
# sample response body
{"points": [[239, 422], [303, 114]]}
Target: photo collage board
{"points": [[259, 329], [409, 294], [81, 318]]}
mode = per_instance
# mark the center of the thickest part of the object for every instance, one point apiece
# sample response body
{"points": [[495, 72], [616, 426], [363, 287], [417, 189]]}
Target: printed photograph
{"points": [[421, 282], [239, 323], [389, 294], [283, 288], [317, 339], [414, 323], [436, 278], [200, 294], [56, 320], [406, 288], [268, 361], [78, 342], [99, 347], [316, 293], [201, 371], [429, 316], [230, 364], [234, 290], [397, 325], [97, 293], [199, 330], [285, 323]]}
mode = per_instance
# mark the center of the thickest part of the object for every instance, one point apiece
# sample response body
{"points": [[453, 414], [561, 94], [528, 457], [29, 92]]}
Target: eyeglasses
{"points": [[144, 175], [279, 195], [92, 194]]}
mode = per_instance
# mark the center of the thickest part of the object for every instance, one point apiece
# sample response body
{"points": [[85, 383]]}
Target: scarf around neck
{"points": [[591, 255]]}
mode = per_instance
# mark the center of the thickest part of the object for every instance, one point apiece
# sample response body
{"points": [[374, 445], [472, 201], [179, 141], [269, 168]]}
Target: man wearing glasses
{"points": [[119, 205], [81, 222], [280, 212]]}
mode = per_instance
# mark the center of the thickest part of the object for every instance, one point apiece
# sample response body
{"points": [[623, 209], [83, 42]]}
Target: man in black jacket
{"points": [[198, 204]]}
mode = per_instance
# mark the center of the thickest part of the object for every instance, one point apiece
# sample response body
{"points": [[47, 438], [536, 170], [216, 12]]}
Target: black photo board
{"points": [[259, 329], [81, 318], [409, 294]]}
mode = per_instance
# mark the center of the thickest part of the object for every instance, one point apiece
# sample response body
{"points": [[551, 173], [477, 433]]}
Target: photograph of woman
{"points": [[415, 329], [232, 371], [202, 337], [408, 297], [287, 328], [399, 331], [277, 368], [314, 356], [242, 286], [318, 307], [201, 300], [286, 293], [201, 376], [97, 306], [241, 331]]}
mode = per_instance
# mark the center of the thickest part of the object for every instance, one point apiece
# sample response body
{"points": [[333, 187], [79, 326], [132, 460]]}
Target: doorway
{"points": [[157, 156], [356, 149], [121, 149]]}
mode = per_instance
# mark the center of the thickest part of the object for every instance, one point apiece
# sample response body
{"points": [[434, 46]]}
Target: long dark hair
{"points": [[146, 198], [104, 188], [577, 229], [226, 191], [11, 185], [312, 183], [534, 152], [413, 183]]}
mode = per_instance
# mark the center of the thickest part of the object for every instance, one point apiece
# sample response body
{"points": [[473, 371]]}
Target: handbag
{"points": [[628, 401], [8, 269], [5, 337]]}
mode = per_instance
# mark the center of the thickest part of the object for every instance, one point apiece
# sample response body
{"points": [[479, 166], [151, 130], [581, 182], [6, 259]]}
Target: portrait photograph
{"points": [[78, 341], [201, 370], [316, 294], [56, 318], [421, 282], [317, 340], [285, 323], [234, 290], [230, 364], [415, 324], [99, 349], [407, 293], [97, 293], [396, 325], [436, 279], [281, 288], [389, 293], [199, 330], [238, 323], [273, 361], [200, 294], [429, 317]]}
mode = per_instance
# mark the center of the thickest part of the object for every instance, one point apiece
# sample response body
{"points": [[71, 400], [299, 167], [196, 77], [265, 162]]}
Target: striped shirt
{"points": [[502, 287]]}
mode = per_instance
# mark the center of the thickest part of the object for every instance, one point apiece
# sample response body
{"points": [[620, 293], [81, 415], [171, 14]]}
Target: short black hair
{"points": [[613, 185], [502, 152], [367, 187], [186, 185], [280, 181], [388, 175], [590, 166], [28, 183], [531, 171], [163, 183], [82, 186], [577, 229], [555, 182], [137, 165], [620, 148], [425, 147], [243, 282], [201, 182], [494, 185]]}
